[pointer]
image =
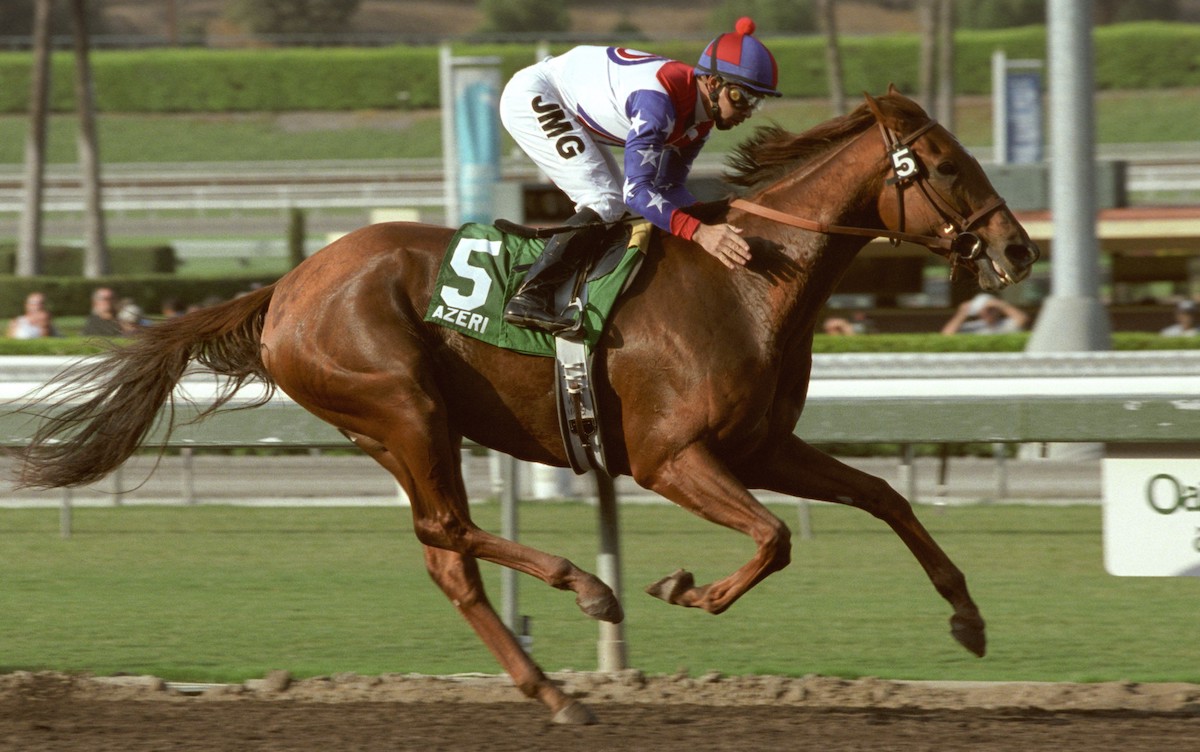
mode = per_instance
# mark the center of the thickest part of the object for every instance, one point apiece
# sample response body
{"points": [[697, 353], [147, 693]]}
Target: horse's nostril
{"points": [[1022, 255]]}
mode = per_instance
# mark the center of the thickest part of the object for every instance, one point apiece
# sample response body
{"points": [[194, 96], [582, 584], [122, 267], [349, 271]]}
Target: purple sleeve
{"points": [[654, 172]]}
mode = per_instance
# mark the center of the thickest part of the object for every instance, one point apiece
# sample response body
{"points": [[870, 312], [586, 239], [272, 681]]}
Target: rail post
{"points": [[611, 648]]}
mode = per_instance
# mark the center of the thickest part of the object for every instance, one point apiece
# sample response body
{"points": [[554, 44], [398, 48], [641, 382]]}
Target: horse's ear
{"points": [[873, 104], [892, 89]]}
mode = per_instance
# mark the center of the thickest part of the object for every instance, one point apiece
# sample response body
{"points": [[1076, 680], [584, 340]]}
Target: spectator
{"points": [[858, 323], [172, 307], [130, 317], [102, 321], [986, 314], [35, 322], [210, 300], [1185, 321]]}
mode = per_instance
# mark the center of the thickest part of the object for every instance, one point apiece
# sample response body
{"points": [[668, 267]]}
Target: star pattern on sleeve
{"points": [[665, 123], [650, 156], [657, 160]]}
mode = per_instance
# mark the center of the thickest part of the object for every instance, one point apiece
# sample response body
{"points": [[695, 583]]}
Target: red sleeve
{"points": [[684, 225]]}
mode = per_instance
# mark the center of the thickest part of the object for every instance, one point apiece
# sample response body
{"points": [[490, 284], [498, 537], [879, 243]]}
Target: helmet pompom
{"points": [[739, 57]]}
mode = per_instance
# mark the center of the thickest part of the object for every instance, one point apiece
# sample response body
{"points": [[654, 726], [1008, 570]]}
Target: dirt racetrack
{"points": [[47, 711]]}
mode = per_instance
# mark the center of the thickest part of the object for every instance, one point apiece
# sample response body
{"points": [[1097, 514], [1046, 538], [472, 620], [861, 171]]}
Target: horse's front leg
{"points": [[457, 574], [699, 482], [797, 469]]}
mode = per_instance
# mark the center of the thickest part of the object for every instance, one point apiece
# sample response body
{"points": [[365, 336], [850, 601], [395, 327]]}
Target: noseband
{"points": [[956, 236], [956, 239]]}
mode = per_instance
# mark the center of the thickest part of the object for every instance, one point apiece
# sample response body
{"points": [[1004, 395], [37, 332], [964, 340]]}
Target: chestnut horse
{"points": [[701, 374]]}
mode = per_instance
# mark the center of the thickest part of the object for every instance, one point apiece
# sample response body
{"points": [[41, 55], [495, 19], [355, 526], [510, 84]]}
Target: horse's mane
{"points": [[772, 151]]}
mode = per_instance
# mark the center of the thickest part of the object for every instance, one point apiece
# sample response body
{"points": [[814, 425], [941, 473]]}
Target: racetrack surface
{"points": [[49, 711]]}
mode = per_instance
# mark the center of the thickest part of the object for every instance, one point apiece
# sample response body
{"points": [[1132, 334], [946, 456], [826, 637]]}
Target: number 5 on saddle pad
{"points": [[484, 266]]}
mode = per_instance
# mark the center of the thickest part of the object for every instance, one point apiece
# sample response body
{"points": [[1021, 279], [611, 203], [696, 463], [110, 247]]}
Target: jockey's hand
{"points": [[725, 242]]}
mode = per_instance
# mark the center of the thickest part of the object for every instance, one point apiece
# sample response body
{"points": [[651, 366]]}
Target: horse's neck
{"points": [[839, 188], [836, 188]]}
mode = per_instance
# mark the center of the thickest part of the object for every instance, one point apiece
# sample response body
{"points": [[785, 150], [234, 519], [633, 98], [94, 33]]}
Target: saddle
{"points": [[482, 268], [610, 243], [578, 418]]}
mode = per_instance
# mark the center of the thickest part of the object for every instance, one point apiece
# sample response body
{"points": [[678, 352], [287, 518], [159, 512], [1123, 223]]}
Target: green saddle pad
{"points": [[476, 279]]}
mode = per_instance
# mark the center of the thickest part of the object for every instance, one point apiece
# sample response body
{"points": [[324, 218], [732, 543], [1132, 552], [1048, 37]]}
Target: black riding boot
{"points": [[532, 306]]}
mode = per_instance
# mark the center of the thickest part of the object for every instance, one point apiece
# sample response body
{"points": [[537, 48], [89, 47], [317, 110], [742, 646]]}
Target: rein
{"points": [[957, 240], [929, 241]]}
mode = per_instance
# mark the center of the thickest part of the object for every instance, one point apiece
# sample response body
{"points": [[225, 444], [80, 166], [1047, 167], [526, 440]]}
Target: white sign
{"points": [[1152, 517]]}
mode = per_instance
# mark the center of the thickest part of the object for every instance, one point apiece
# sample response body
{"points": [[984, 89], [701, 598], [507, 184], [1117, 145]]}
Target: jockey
{"points": [[566, 111]]}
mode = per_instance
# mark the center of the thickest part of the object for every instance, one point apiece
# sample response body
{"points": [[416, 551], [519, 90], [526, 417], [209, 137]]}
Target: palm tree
{"points": [[29, 248], [833, 57], [95, 255], [936, 77]]}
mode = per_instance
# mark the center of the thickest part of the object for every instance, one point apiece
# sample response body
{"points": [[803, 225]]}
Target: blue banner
{"points": [[477, 137], [1023, 129]]}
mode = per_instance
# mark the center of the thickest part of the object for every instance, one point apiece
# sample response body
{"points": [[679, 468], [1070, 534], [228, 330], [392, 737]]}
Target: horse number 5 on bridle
{"points": [[701, 372]]}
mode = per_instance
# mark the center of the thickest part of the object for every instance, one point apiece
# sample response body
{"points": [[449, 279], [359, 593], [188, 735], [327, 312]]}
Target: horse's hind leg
{"points": [[458, 577], [797, 469], [429, 469]]}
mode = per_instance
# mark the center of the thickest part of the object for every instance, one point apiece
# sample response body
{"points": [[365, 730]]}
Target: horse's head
{"points": [[936, 189]]}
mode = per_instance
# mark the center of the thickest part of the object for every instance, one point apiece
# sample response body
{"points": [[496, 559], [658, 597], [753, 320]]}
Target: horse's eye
{"points": [[947, 168]]}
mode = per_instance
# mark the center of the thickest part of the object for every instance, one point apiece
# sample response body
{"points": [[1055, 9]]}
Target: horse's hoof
{"points": [[605, 608], [672, 587], [969, 631], [575, 714]]}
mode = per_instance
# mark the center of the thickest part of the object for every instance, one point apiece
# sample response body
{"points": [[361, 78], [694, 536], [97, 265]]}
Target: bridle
{"points": [[956, 240]]}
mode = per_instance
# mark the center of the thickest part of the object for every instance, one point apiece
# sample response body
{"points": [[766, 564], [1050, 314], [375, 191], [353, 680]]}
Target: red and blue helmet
{"points": [[740, 58]]}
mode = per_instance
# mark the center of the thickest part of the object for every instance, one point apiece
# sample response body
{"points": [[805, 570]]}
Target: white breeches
{"points": [[581, 167]]}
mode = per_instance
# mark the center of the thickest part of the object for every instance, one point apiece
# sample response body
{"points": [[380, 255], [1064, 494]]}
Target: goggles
{"points": [[743, 99]]}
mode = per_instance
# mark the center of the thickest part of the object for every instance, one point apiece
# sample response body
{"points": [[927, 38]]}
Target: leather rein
{"points": [[956, 242]]}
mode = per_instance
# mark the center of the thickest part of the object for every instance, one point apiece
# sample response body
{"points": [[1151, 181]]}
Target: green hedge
{"points": [[66, 261], [203, 80], [52, 346], [1148, 56], [71, 296], [1128, 56], [822, 343]]}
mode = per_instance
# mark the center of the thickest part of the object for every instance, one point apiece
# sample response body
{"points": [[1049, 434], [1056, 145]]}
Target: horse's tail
{"points": [[94, 416]]}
